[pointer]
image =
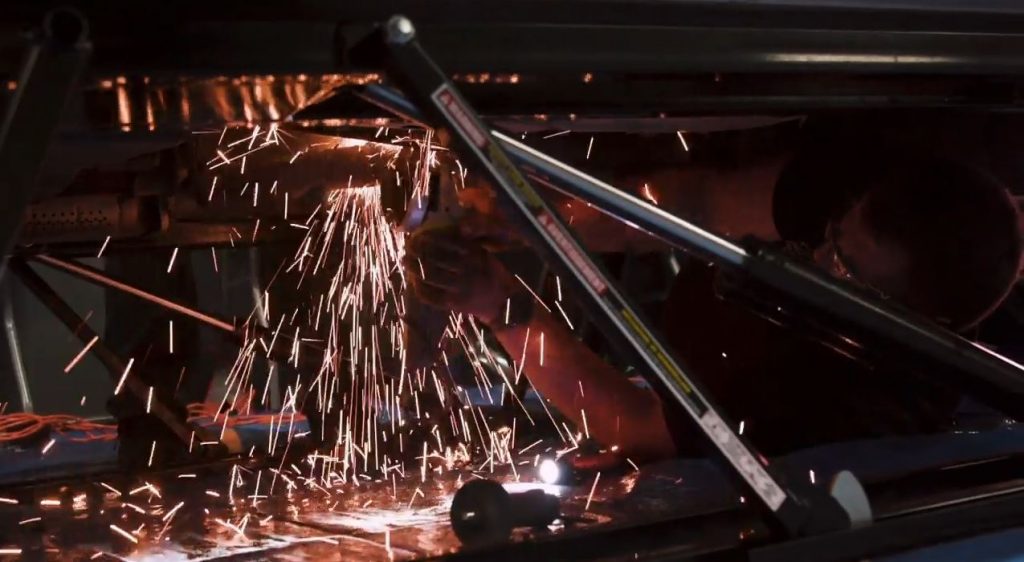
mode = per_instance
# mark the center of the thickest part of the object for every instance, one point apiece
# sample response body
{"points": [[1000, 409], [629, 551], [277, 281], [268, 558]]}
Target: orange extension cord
{"points": [[19, 426]]}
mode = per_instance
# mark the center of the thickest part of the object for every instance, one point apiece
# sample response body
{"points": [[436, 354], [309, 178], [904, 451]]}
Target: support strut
{"points": [[188, 434], [280, 351]]}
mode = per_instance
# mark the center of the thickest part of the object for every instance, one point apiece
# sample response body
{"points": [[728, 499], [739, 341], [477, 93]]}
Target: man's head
{"points": [[937, 236]]}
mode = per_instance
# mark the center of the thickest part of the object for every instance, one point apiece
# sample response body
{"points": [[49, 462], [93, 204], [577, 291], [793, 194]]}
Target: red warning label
{"points": [[449, 103], [569, 248]]}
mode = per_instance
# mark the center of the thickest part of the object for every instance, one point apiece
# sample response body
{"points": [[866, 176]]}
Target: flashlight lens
{"points": [[549, 471]]}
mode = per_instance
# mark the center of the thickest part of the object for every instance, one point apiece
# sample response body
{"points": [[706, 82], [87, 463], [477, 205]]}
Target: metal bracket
{"points": [[48, 74]]}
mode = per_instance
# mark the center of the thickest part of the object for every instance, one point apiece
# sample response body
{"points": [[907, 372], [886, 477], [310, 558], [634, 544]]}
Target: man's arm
{"points": [[451, 272], [585, 388]]}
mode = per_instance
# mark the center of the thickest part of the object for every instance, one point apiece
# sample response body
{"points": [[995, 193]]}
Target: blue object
{"points": [[69, 457]]}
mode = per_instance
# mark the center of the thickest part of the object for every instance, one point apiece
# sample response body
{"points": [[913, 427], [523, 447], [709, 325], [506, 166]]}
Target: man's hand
{"points": [[448, 269]]}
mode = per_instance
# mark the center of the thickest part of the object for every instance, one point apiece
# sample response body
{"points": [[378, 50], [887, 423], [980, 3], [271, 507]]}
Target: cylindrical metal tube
{"points": [[280, 344], [90, 274], [87, 218]]}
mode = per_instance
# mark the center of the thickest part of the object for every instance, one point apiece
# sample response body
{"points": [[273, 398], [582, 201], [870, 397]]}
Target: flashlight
{"points": [[483, 512], [550, 471]]}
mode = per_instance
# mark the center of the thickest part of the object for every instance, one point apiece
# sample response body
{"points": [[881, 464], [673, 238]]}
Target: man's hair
{"points": [[958, 227]]}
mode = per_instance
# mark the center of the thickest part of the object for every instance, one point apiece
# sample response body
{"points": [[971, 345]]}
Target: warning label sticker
{"points": [[449, 103], [569, 248], [645, 337], [745, 463], [507, 169]]}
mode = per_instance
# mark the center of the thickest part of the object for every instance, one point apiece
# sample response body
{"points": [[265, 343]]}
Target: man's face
{"points": [[852, 251]]}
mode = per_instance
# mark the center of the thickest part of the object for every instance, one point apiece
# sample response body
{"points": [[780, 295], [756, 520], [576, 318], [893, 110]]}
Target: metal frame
{"points": [[974, 43], [566, 36]]}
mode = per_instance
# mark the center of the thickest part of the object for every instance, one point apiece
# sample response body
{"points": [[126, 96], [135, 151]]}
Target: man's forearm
{"points": [[582, 385]]}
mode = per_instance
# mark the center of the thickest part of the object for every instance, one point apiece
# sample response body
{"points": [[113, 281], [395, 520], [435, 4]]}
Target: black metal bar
{"points": [[565, 36], [970, 518], [97, 277], [187, 434], [796, 509], [669, 103], [48, 74]]}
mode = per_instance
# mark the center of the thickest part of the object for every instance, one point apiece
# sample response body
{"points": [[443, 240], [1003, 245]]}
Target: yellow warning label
{"points": [[506, 168], [656, 350]]}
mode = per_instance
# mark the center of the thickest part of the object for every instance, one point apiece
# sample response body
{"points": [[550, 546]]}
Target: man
{"points": [[935, 235]]}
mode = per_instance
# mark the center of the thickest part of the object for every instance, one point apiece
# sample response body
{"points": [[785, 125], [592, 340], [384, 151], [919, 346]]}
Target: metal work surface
{"points": [[295, 513]]}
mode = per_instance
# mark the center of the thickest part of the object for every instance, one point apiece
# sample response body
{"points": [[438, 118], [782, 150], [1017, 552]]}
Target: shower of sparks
{"points": [[81, 354], [557, 134], [590, 147], [170, 264], [348, 267], [682, 139], [342, 346], [565, 316], [103, 247], [648, 194], [536, 297], [590, 496], [124, 533], [124, 376], [111, 488]]}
